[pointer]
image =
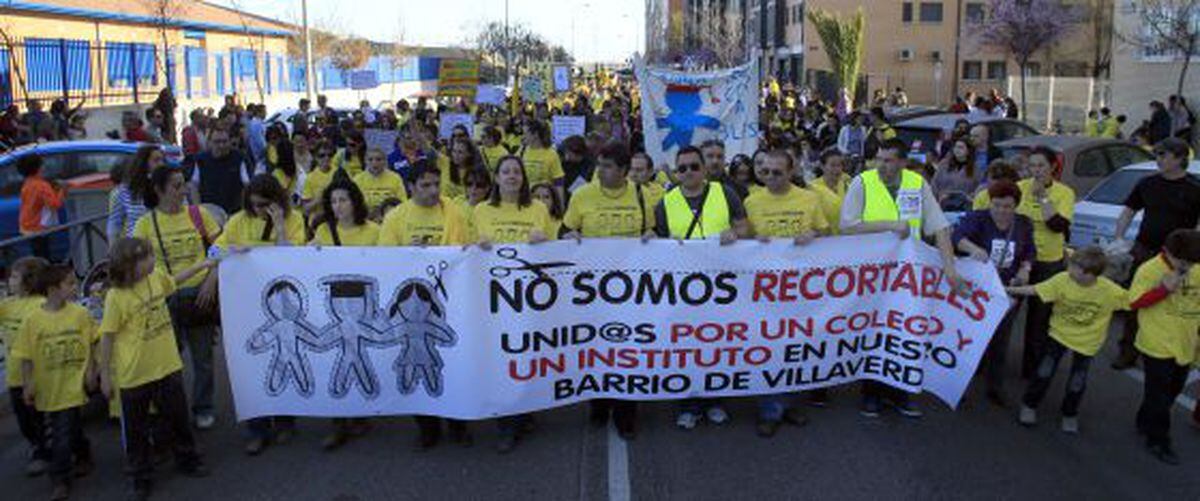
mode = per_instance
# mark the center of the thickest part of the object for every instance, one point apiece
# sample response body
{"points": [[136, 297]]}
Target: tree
{"points": [[165, 13], [10, 46], [1100, 18], [257, 45], [843, 42], [350, 53], [1022, 28], [520, 46], [1168, 27]]}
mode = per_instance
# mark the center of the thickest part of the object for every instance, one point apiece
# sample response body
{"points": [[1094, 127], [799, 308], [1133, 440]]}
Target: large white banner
{"points": [[473, 334], [680, 109]]}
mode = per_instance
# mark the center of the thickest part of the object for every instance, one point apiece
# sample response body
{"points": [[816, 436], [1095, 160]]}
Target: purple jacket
{"points": [[1007, 249]]}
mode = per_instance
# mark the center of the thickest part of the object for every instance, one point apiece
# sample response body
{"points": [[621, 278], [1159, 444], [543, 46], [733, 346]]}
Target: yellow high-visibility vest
{"points": [[879, 206], [714, 215]]}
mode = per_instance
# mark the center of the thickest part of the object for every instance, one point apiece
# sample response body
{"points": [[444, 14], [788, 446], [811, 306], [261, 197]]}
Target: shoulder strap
{"points": [[267, 230], [158, 236], [331, 223], [198, 222], [696, 216], [641, 207]]}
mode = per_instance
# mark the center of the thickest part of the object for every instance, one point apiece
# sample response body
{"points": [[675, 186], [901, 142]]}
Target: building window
{"points": [[931, 12], [997, 70], [129, 63], [972, 70], [50, 63], [1033, 69], [975, 13], [906, 12]]}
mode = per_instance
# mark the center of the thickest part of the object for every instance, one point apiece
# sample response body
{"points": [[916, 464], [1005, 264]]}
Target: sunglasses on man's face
{"points": [[693, 167]]}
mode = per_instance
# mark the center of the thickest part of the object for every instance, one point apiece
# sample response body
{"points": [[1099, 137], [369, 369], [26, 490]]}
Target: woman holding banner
{"points": [[511, 215], [344, 224], [267, 219], [611, 207]]}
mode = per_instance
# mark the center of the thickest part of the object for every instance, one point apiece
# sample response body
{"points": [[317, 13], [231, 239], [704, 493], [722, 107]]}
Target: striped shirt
{"points": [[124, 210]]}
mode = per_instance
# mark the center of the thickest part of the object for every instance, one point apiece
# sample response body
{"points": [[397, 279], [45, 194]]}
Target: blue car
{"points": [[83, 166]]}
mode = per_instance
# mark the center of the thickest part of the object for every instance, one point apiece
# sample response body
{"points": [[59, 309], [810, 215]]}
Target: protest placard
{"points": [[458, 78], [448, 121], [564, 126]]}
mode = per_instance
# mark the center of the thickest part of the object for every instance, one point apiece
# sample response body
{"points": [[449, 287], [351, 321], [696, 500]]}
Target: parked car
{"points": [[285, 115], [926, 134], [1097, 212], [84, 166], [1081, 161], [897, 114]]}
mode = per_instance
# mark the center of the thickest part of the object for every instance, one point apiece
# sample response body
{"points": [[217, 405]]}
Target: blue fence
{"points": [[58, 64], [5, 79]]}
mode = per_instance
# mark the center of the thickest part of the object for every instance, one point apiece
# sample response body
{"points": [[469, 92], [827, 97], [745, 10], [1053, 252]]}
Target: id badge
{"points": [[909, 203], [1003, 252]]}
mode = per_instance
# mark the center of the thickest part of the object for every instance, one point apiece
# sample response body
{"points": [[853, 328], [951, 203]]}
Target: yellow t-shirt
{"points": [[13, 312], [442, 224], [1050, 245], [247, 231], [508, 223], [599, 212], [654, 192], [315, 183], [1081, 314], [448, 187], [363, 235], [350, 163], [144, 347], [982, 200], [376, 189], [542, 166], [184, 246], [512, 141], [492, 155], [1168, 329], [59, 344], [831, 201], [788, 215]]}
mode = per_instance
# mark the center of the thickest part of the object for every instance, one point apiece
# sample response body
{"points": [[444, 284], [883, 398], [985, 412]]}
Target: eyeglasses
{"points": [[694, 167]]}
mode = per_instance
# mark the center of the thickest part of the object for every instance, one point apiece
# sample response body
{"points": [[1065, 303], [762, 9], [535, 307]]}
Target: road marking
{"points": [[618, 466], [1183, 400]]}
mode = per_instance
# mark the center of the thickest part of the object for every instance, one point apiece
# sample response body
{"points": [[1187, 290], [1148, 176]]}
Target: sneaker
{"points": [[907, 409], [1165, 454], [687, 420], [1070, 425], [334, 441], [205, 421], [870, 407], [35, 467], [255, 446], [506, 444], [60, 492], [766, 428], [1028, 416], [819, 398], [717, 415]]}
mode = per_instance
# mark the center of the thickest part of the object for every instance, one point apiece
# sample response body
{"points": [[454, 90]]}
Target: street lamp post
{"points": [[309, 78]]}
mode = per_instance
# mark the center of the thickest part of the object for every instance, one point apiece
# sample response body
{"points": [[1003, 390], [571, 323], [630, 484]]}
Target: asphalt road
{"points": [[976, 452]]}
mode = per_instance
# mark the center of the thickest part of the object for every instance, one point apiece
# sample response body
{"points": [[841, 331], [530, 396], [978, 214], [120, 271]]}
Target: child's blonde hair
{"points": [[1091, 260], [123, 260]]}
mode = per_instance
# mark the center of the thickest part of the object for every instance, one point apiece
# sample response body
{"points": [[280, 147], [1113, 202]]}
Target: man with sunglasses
{"points": [[894, 199], [1169, 201], [699, 209]]}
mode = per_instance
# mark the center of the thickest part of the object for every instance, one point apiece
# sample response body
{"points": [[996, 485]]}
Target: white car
{"points": [[1097, 212], [285, 115]]}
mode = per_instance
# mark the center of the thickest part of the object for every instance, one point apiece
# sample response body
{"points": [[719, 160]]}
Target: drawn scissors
{"points": [[538, 269], [436, 274]]}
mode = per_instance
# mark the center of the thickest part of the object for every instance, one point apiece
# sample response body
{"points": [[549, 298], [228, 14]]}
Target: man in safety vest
{"points": [[699, 209], [894, 199]]}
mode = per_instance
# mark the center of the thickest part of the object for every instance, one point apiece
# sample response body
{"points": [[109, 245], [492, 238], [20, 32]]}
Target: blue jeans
{"points": [[1052, 353], [66, 441], [199, 344]]}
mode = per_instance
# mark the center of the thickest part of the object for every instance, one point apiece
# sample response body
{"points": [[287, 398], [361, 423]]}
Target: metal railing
{"points": [[87, 243]]}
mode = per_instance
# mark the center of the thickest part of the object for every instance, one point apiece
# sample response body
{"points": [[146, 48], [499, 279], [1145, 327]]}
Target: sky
{"points": [[604, 30]]}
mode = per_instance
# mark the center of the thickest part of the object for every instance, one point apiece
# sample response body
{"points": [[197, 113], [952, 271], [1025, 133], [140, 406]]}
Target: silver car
{"points": [[1097, 212]]}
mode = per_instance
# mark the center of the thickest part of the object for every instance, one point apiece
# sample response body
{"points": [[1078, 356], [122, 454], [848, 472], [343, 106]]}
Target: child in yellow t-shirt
{"points": [[1166, 295], [13, 311], [138, 354], [54, 350], [1084, 302]]}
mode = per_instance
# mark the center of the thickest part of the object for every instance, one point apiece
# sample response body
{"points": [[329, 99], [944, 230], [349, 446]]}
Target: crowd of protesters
{"points": [[822, 169]]}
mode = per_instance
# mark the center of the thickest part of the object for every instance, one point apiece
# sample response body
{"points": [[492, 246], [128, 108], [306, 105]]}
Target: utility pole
{"points": [[309, 78], [507, 49]]}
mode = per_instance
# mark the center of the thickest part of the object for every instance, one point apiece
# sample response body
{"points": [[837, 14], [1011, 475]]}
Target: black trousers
{"points": [[624, 412], [1076, 381], [1163, 383], [431, 426], [994, 359], [31, 423], [167, 396], [1140, 254], [1037, 319]]}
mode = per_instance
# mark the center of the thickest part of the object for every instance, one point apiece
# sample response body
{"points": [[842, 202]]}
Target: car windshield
{"points": [[1116, 188], [928, 137]]}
